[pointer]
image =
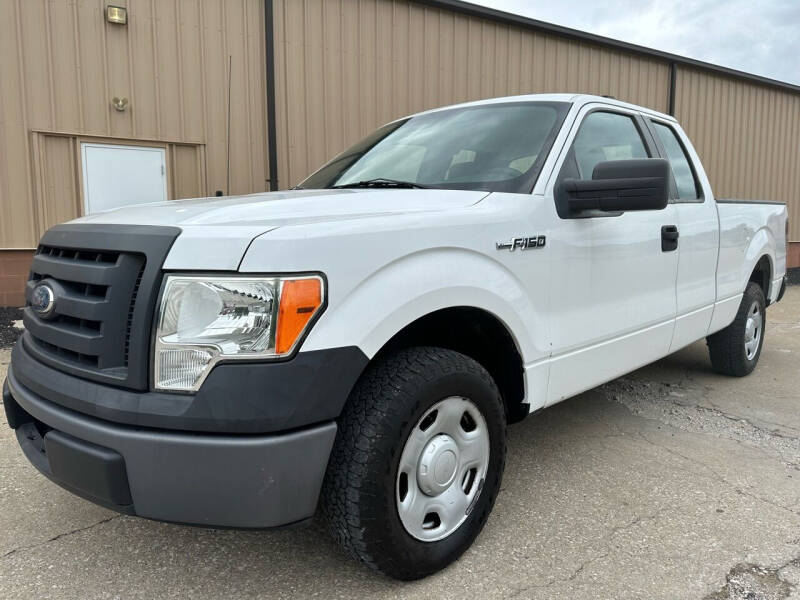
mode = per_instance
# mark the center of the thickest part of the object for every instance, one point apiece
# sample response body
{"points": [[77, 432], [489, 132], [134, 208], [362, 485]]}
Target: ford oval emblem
{"points": [[43, 300]]}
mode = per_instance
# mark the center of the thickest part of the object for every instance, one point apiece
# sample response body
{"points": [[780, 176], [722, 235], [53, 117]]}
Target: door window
{"points": [[685, 181], [602, 136]]}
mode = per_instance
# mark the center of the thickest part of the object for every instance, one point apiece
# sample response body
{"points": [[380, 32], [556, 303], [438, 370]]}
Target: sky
{"points": [[755, 36]]}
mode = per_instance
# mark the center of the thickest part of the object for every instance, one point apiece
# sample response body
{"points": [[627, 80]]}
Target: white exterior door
{"points": [[698, 244], [115, 176], [612, 287]]}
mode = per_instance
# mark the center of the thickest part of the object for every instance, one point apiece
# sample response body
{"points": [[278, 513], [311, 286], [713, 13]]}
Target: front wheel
{"points": [[417, 462], [735, 350]]}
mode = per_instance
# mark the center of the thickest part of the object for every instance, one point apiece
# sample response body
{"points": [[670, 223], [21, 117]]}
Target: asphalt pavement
{"points": [[672, 482]]}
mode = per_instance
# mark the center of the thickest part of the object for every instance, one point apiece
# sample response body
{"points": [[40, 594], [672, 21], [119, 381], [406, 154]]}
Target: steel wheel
{"points": [[442, 469], [752, 330]]}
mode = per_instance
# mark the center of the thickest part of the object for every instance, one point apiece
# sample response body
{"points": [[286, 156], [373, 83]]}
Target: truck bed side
{"points": [[748, 232]]}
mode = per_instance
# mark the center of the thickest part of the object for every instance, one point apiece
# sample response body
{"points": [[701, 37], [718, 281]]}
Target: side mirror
{"points": [[621, 185]]}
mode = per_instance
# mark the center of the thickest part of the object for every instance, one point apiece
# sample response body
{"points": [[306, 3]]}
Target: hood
{"points": [[217, 231]]}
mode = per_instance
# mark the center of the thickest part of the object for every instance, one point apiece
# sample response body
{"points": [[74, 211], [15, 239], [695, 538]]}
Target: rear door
{"points": [[612, 288], [698, 229]]}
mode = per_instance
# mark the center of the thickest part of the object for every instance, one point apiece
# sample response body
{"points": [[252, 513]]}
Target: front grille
{"points": [[105, 279], [95, 296], [129, 321]]}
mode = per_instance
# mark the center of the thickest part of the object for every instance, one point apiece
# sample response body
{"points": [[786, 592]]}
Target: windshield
{"points": [[492, 147]]}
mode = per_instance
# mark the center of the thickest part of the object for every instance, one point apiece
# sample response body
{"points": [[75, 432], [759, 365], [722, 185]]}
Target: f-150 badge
{"points": [[523, 243]]}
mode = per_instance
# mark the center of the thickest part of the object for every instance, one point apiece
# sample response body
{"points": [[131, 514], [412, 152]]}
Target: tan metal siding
{"points": [[187, 169], [56, 162], [17, 222], [344, 67], [61, 65], [746, 135]]}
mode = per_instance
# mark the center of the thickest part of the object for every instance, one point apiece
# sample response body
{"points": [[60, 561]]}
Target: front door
{"points": [[612, 287]]}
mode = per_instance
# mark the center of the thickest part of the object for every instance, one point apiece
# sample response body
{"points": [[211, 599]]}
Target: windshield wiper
{"points": [[380, 182]]}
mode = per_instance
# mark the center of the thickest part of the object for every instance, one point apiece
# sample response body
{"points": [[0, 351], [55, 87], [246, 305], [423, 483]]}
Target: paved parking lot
{"points": [[671, 483]]}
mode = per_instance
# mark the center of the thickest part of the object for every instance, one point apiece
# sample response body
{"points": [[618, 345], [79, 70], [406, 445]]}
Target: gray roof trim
{"points": [[468, 8]]}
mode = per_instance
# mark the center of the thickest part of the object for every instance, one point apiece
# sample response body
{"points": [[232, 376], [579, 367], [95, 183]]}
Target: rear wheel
{"points": [[417, 462], [736, 349]]}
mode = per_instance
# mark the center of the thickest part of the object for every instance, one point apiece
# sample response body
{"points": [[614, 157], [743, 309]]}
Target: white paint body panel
{"points": [[748, 232], [600, 299], [218, 231], [402, 267]]}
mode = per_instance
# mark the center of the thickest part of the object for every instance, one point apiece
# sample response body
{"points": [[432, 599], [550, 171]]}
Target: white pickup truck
{"points": [[361, 342]]}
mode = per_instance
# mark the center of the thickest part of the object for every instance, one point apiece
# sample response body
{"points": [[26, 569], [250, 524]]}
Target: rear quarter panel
{"points": [[748, 231]]}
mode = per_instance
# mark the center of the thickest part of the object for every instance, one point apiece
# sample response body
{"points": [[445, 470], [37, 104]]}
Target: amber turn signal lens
{"points": [[300, 301]]}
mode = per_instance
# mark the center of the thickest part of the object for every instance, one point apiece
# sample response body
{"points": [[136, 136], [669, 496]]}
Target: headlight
{"points": [[203, 320]]}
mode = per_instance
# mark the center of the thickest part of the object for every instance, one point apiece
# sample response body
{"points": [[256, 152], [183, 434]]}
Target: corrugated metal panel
{"points": [[344, 67], [746, 135], [187, 170], [62, 64], [57, 173], [56, 162], [17, 225]]}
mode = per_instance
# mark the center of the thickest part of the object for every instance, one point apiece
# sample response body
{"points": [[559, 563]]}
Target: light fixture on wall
{"points": [[117, 14], [119, 103]]}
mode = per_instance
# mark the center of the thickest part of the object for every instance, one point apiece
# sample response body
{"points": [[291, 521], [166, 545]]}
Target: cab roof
{"points": [[577, 99]]}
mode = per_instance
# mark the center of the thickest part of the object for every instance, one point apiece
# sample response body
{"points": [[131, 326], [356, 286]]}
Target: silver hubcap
{"points": [[442, 469], [752, 331]]}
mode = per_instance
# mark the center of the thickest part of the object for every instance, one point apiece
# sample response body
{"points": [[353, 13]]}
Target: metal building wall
{"points": [[341, 68], [746, 134], [62, 63], [344, 67]]}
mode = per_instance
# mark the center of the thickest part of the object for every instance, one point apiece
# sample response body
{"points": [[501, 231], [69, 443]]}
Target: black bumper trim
{"points": [[15, 416], [239, 481], [87, 470], [235, 397]]}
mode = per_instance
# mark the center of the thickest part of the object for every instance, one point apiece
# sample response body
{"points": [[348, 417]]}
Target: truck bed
{"points": [[747, 201]]}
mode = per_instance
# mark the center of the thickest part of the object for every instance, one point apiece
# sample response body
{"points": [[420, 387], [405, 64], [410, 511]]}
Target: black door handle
{"points": [[669, 238]]}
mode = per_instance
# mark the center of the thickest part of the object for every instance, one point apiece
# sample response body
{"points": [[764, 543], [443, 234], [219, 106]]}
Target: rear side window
{"points": [[685, 181]]}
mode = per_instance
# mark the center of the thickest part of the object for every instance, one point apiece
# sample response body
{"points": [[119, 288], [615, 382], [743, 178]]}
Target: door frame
{"points": [[42, 221], [583, 112], [80, 140]]}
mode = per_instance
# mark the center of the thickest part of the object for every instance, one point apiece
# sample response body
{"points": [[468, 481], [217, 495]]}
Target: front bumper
{"points": [[246, 481], [236, 397]]}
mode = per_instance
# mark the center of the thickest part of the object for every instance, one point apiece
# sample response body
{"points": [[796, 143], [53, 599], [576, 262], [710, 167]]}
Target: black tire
{"points": [[358, 495], [727, 347]]}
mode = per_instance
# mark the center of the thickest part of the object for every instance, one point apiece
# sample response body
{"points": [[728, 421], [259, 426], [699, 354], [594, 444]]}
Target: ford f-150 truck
{"points": [[359, 343]]}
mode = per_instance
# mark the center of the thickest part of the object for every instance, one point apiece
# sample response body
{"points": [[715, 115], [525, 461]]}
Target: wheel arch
{"points": [[372, 311], [759, 261], [433, 290], [479, 334], [761, 274]]}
